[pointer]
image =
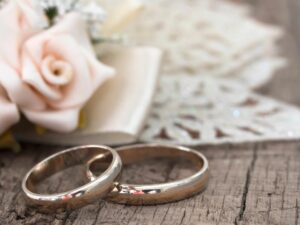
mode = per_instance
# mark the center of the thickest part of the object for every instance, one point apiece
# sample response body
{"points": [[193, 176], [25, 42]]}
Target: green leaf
{"points": [[51, 13]]}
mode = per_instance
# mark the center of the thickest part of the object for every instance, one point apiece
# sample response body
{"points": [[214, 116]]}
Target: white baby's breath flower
{"points": [[92, 12], [61, 6]]}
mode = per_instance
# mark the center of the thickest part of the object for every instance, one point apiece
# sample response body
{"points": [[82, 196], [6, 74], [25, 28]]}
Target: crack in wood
{"points": [[164, 217], [101, 205], [223, 202], [246, 187], [182, 218], [297, 212]]}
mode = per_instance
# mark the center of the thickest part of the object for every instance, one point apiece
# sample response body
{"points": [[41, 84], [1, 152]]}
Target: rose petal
{"points": [[17, 90], [74, 25], [34, 16], [60, 120], [64, 71], [35, 45], [84, 81], [17, 22], [10, 34], [99, 71], [32, 76], [71, 24], [81, 83]]}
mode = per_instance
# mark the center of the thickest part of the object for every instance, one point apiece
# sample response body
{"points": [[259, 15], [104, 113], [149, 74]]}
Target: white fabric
{"points": [[204, 110], [210, 37]]}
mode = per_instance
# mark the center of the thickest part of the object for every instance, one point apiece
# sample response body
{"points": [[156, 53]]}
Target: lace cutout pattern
{"points": [[195, 110]]}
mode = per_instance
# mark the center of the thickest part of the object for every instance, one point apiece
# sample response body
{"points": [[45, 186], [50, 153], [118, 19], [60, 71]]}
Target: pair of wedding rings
{"points": [[106, 184]]}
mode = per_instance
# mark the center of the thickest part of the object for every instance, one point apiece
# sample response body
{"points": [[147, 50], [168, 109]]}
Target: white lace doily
{"points": [[194, 110], [210, 37], [222, 53]]}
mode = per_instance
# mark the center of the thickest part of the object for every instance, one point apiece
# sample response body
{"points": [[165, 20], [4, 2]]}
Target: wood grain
{"points": [[250, 183]]}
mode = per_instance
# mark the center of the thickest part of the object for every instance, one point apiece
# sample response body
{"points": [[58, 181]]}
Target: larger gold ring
{"points": [[135, 194], [80, 196]]}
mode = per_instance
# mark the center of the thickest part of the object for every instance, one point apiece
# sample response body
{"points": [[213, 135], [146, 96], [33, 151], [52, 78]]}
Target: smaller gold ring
{"points": [[77, 197], [134, 194]]}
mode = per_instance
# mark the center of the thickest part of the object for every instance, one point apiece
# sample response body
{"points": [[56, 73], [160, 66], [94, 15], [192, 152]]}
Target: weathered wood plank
{"points": [[273, 192], [219, 203], [250, 184]]}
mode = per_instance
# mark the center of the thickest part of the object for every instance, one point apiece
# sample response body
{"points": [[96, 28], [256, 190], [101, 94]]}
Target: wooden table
{"points": [[250, 183]]}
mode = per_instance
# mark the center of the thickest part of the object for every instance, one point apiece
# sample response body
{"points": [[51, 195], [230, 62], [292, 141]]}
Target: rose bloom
{"points": [[62, 68], [49, 74], [18, 21]]}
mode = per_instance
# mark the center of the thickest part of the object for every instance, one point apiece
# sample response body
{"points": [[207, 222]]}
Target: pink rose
{"points": [[19, 19], [49, 74], [60, 65]]}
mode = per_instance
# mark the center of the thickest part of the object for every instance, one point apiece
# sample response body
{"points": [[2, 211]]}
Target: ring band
{"points": [[80, 196], [156, 193]]}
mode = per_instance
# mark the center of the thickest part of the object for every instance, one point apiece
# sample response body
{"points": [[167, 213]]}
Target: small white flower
{"points": [[92, 12]]}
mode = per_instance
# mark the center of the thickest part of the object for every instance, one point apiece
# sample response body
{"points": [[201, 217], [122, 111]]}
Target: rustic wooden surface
{"points": [[250, 184]]}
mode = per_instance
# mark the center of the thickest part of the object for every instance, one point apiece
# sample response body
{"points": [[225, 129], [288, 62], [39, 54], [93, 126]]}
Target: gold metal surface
{"points": [[139, 194], [80, 196]]}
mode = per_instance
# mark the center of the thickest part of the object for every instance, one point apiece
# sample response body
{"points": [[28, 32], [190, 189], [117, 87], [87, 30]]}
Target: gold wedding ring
{"points": [[106, 184], [137, 194], [80, 196]]}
